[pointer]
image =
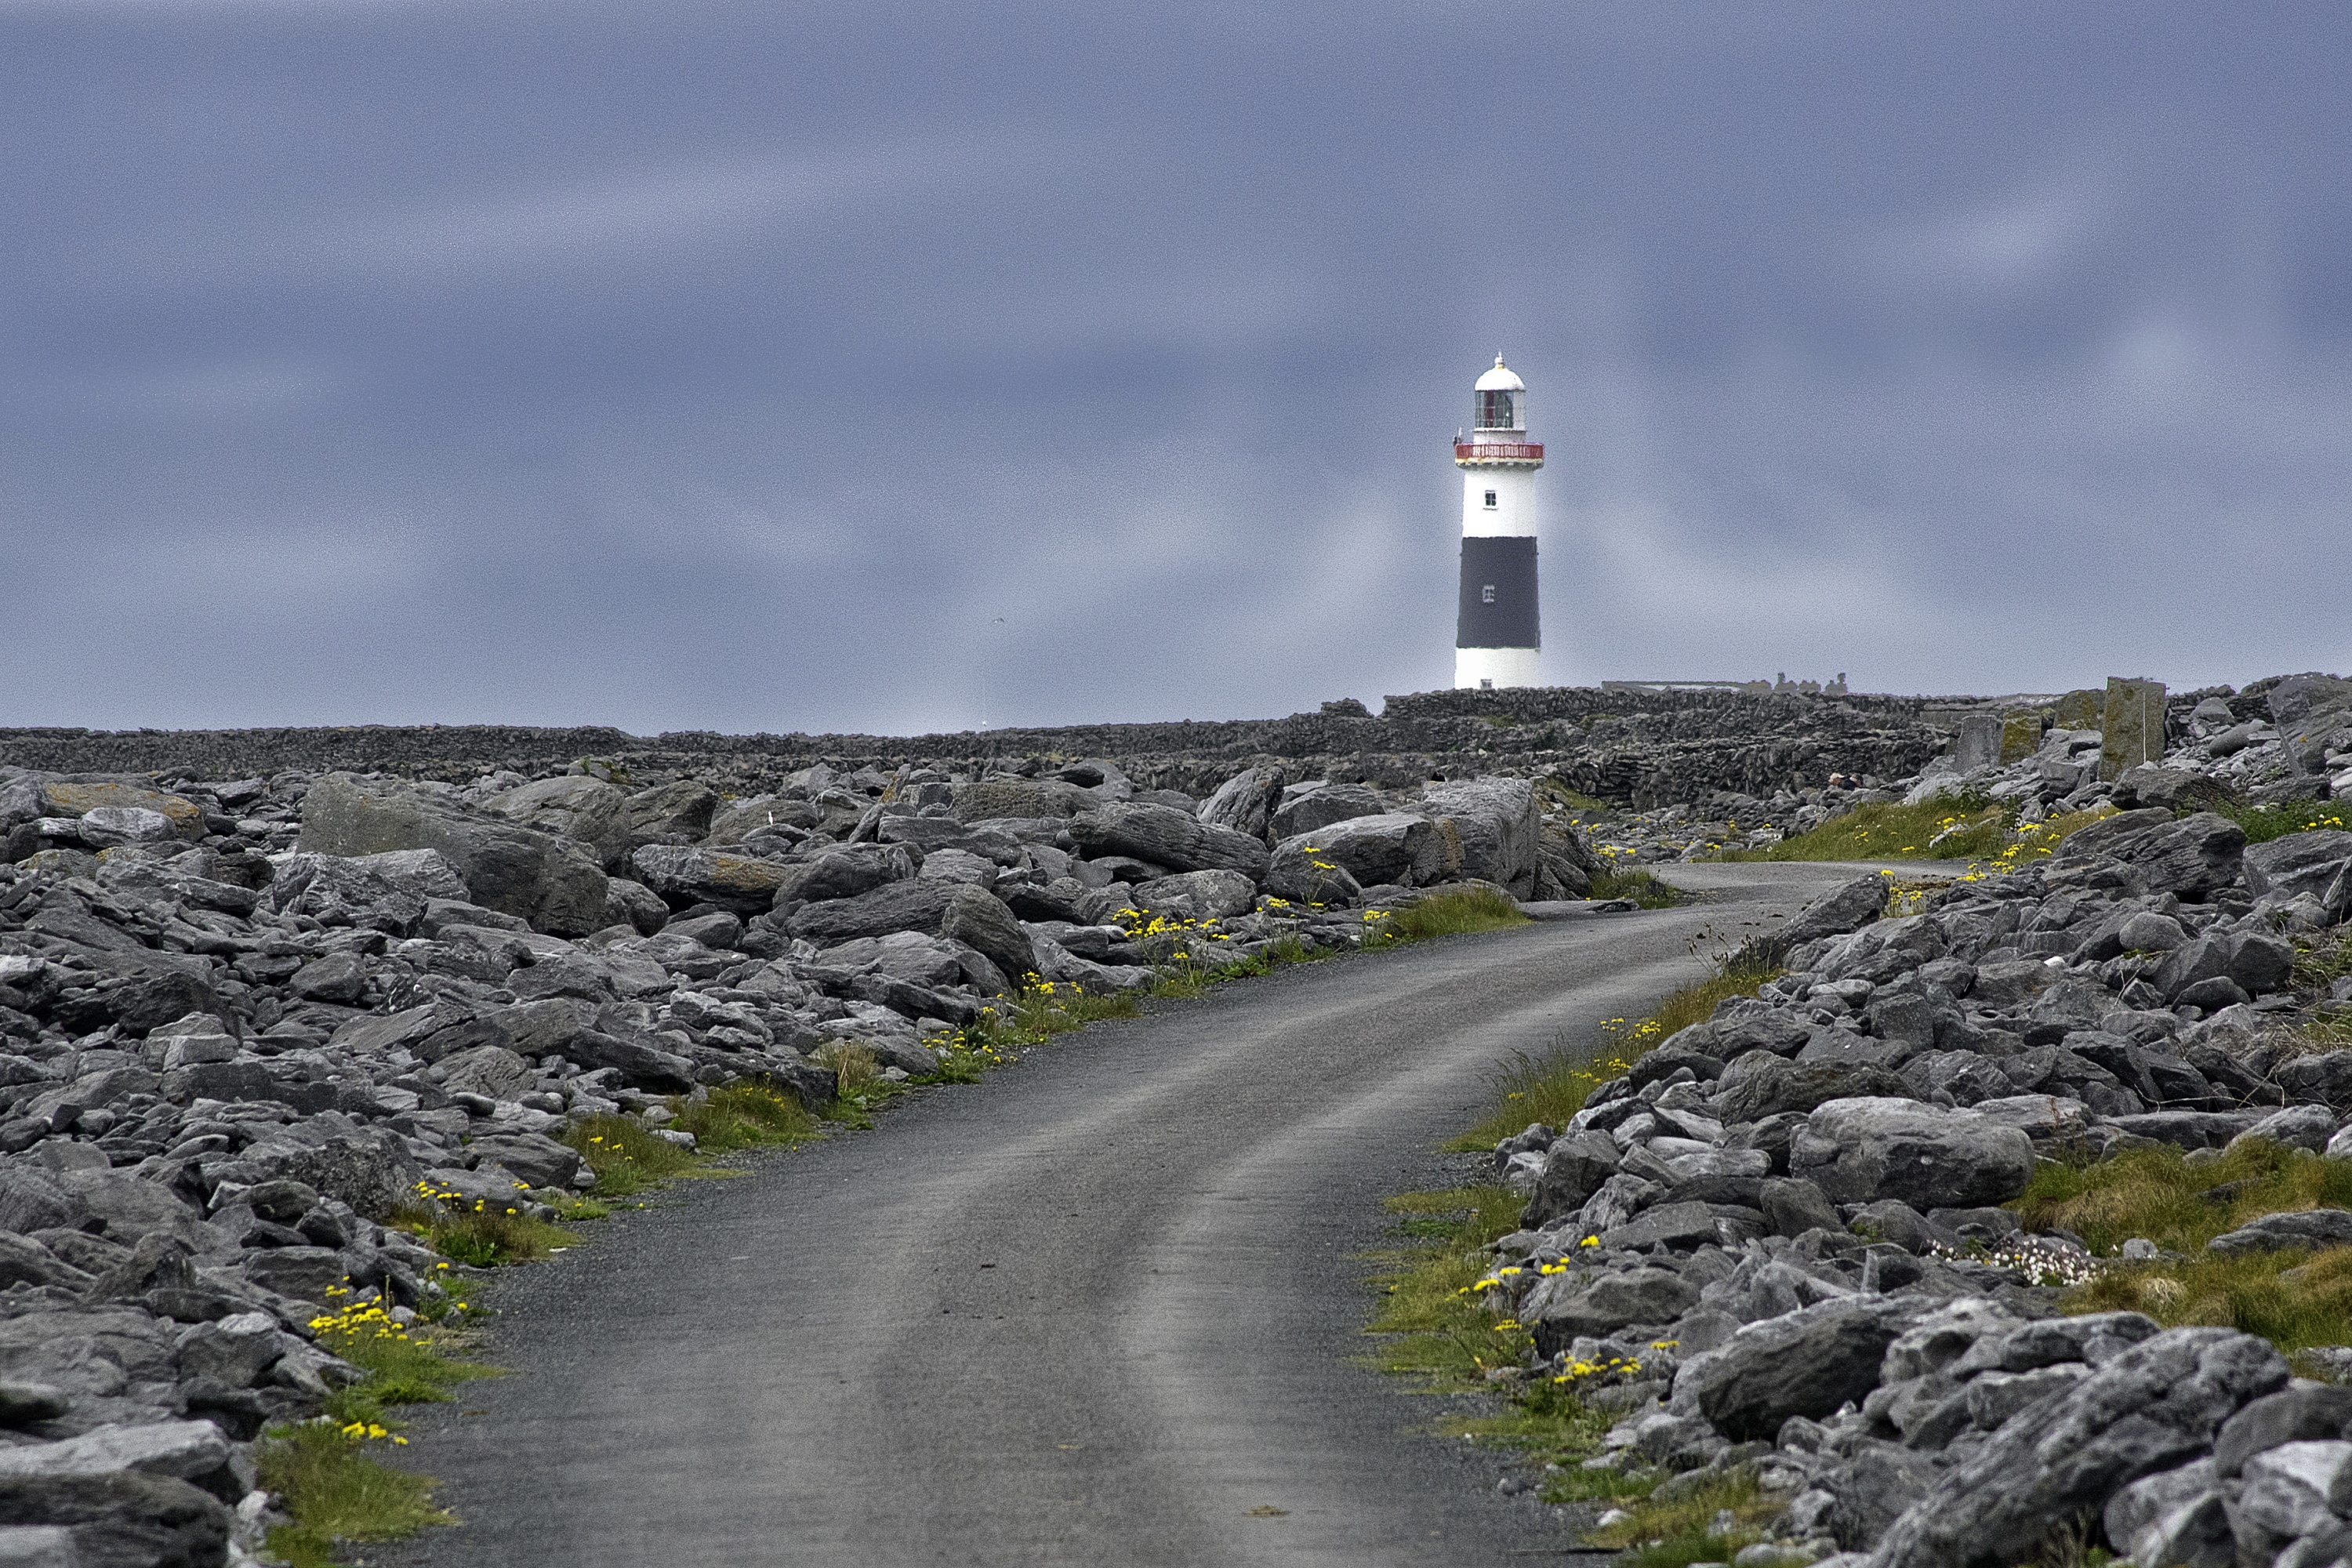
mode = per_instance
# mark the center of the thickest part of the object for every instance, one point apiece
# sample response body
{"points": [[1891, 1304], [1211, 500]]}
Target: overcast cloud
{"points": [[892, 366]]}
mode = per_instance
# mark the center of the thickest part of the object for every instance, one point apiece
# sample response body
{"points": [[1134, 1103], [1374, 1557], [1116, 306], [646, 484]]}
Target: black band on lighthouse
{"points": [[1498, 594]]}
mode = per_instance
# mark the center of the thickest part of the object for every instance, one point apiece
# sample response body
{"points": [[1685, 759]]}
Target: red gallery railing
{"points": [[1498, 451]]}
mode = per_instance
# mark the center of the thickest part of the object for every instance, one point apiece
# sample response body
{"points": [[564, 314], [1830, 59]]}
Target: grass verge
{"points": [[2265, 823], [1552, 1087], [1435, 1323], [627, 1157], [1637, 884], [2296, 1300], [1691, 1525], [1447, 914], [336, 1492], [2157, 1194], [325, 1470], [1972, 829]]}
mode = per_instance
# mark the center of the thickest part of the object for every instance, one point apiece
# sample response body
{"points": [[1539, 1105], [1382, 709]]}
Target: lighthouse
{"points": [[1496, 641]]}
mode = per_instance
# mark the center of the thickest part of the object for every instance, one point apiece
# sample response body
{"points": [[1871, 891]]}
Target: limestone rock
{"points": [[1306, 807], [1397, 849], [1245, 802], [1804, 1362], [684, 876], [555, 883], [1492, 829], [2150, 1409], [574, 805], [1859, 1150], [2193, 857], [1302, 873], [1166, 836]]}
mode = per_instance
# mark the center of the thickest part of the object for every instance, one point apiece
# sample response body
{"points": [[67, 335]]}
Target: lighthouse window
{"points": [[1490, 500], [1496, 411], [1487, 595]]}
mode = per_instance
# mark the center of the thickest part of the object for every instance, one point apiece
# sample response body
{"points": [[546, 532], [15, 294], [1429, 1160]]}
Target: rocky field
{"points": [[1849, 1239], [267, 1030]]}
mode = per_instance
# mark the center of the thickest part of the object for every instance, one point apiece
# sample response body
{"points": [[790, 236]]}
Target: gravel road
{"points": [[1101, 1308]]}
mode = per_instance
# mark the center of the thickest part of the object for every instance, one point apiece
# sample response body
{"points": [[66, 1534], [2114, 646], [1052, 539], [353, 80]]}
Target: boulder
{"points": [[2283, 1232], [1492, 828], [2298, 1413], [1207, 895], [2191, 857], [961, 913], [533, 1156], [75, 799], [1860, 1149], [387, 893], [1792, 1207], [1849, 908], [2326, 1078], [842, 874], [1018, 798], [2255, 961], [191, 1451], [1245, 802], [1573, 1171], [2176, 1518], [1803, 1363], [2174, 789], [1760, 1084], [1301, 872], [633, 904], [2295, 1127], [125, 1519], [1599, 1304], [1167, 836], [2148, 1409], [557, 884], [2299, 863], [1315, 805], [491, 1071], [574, 805], [371, 1168], [671, 812], [685, 876], [1393, 847], [641, 1065]]}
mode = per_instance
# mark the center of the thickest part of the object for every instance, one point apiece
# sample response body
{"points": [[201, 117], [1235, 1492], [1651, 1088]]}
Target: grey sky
{"points": [[685, 365]]}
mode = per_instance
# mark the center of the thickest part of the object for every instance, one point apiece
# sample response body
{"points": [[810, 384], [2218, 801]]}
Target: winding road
{"points": [[1100, 1309]]}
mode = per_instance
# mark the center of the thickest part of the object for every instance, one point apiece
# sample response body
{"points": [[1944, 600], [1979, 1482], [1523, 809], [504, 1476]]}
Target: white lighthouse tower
{"points": [[1497, 640]]}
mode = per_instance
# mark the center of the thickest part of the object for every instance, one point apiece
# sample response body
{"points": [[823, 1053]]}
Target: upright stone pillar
{"points": [[2081, 709], [2131, 731], [1978, 745], [2020, 736]]}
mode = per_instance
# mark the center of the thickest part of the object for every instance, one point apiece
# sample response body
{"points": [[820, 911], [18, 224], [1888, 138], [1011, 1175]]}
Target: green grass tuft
{"points": [[1447, 914], [745, 1116], [1552, 1087], [2296, 1299], [624, 1155], [1671, 1533], [2265, 823], [2156, 1194], [1434, 1322], [336, 1491], [1638, 884], [1973, 830]]}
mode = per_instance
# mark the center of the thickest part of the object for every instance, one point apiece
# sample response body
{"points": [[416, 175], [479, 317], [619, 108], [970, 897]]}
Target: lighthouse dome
{"points": [[1499, 402], [1502, 378]]}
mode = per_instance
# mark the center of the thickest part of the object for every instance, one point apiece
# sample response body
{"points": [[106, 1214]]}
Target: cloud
{"points": [[735, 368]]}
